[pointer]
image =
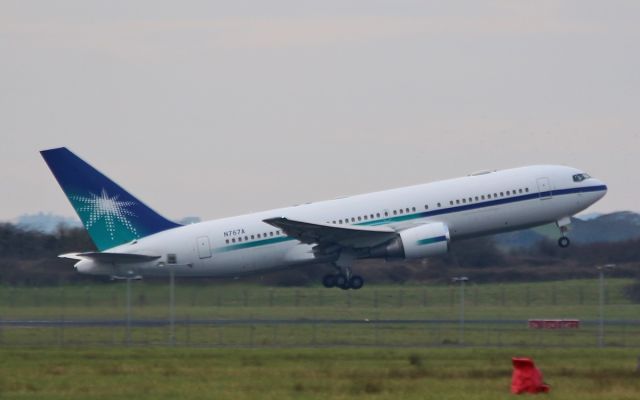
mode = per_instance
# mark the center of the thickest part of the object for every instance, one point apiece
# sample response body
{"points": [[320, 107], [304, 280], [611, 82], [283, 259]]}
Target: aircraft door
{"points": [[544, 188], [204, 247]]}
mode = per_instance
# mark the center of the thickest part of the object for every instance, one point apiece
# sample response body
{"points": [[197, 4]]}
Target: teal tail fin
{"points": [[110, 214]]}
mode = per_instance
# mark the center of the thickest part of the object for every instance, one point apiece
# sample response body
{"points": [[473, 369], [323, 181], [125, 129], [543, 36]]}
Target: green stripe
{"points": [[389, 220], [247, 245], [432, 240]]}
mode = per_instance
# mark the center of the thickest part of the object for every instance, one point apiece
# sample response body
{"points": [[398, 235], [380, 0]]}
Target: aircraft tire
{"points": [[329, 281], [356, 282], [564, 242], [341, 281]]}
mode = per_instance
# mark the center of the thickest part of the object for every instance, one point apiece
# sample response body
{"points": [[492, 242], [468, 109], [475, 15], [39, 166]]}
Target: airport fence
{"points": [[254, 316]]}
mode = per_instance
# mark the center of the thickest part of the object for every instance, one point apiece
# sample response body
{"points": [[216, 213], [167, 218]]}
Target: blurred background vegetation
{"points": [[28, 256]]}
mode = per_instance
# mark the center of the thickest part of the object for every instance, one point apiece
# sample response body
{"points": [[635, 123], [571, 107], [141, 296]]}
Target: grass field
{"points": [[162, 373], [372, 356], [311, 307], [574, 298]]}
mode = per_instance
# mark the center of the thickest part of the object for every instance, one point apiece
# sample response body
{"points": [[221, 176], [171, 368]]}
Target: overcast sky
{"points": [[219, 108]]}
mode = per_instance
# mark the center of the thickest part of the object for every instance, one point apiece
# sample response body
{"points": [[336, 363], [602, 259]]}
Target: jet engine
{"points": [[419, 242]]}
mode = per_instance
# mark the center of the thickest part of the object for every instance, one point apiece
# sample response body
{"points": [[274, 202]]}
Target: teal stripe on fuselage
{"points": [[247, 245]]}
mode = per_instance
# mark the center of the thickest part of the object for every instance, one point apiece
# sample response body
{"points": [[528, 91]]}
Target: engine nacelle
{"points": [[426, 240]]}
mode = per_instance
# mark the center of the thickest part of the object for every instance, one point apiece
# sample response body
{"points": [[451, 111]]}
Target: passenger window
{"points": [[407, 210], [507, 192], [400, 211], [457, 201], [482, 197], [227, 241], [359, 219], [464, 201], [501, 194], [450, 202], [439, 205], [526, 190], [426, 207], [270, 233], [377, 215], [413, 209], [477, 198], [259, 236], [386, 213], [394, 212], [252, 237], [353, 219], [470, 200]]}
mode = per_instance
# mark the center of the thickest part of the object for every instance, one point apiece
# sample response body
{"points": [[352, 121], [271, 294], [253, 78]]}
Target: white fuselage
{"points": [[471, 206]]}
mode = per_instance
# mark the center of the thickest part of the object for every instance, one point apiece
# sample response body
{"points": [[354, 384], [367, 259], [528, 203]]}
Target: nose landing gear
{"points": [[563, 225], [564, 242]]}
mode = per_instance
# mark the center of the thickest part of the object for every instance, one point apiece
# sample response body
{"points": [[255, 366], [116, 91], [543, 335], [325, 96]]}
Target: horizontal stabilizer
{"points": [[119, 258]]}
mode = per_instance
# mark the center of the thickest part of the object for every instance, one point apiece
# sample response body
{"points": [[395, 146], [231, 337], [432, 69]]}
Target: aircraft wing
{"points": [[326, 235]]}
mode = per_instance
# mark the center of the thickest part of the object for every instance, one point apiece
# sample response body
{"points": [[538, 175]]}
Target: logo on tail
{"points": [[110, 210]]}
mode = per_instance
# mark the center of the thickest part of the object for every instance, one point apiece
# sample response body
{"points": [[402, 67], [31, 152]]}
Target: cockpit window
{"points": [[580, 177]]}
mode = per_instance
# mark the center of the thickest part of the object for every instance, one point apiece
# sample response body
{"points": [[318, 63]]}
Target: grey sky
{"points": [[214, 109]]}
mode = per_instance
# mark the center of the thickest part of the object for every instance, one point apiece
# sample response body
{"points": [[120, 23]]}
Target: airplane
{"points": [[412, 222]]}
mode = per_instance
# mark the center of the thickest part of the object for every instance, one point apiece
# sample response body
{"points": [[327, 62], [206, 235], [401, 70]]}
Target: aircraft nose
{"points": [[602, 188]]}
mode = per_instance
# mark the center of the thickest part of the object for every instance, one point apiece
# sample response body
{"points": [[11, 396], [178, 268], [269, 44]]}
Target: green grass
{"points": [[577, 299], [315, 360], [567, 299], [162, 373]]}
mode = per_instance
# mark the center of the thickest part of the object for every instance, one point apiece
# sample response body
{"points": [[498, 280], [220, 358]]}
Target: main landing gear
{"points": [[344, 279], [563, 225], [341, 281]]}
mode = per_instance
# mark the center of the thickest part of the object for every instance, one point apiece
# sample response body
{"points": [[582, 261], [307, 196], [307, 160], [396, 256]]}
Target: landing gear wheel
{"points": [[564, 242], [329, 281], [356, 282], [341, 281]]}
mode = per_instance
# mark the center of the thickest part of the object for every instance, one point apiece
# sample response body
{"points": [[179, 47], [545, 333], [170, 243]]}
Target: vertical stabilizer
{"points": [[110, 214]]}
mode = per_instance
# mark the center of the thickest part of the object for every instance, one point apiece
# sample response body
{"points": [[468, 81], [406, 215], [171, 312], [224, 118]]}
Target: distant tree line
{"points": [[30, 257]]}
